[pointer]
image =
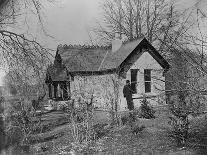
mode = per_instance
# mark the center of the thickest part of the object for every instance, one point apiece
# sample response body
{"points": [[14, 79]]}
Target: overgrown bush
{"points": [[124, 119], [182, 105], [18, 126], [82, 125], [146, 111], [179, 118]]}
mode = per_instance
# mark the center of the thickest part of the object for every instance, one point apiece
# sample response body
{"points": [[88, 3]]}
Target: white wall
{"points": [[146, 61]]}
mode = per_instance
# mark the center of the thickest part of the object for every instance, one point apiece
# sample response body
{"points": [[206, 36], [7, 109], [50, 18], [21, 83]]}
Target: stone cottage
{"points": [[99, 73]]}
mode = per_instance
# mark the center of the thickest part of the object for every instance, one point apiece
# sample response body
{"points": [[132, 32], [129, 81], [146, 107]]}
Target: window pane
{"points": [[147, 75], [147, 87], [134, 79]]}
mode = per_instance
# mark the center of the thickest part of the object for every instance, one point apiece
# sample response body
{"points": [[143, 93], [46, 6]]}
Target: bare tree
{"points": [[21, 54], [135, 18]]}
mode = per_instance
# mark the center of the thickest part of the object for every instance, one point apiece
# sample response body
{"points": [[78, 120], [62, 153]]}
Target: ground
{"points": [[153, 140]]}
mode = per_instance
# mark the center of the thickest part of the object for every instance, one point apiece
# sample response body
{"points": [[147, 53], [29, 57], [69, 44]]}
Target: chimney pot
{"points": [[116, 43]]}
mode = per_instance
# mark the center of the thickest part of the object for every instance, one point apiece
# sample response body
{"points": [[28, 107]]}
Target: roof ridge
{"points": [[84, 46], [87, 46]]}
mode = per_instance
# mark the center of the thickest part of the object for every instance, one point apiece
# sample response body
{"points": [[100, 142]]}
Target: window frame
{"points": [[134, 82], [148, 80]]}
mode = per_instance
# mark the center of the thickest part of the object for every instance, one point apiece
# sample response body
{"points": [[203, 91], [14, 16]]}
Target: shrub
{"points": [[18, 125], [100, 130], [81, 121], [179, 118], [124, 120], [182, 105], [146, 110]]}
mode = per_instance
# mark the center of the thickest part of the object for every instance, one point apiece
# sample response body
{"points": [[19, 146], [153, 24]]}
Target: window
{"points": [[147, 80], [134, 80]]}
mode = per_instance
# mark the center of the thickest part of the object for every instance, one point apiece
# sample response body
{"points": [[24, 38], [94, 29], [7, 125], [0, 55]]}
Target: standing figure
{"points": [[127, 91]]}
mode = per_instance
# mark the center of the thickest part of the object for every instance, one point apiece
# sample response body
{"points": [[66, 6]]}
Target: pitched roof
{"points": [[114, 59], [82, 59], [55, 73], [85, 59]]}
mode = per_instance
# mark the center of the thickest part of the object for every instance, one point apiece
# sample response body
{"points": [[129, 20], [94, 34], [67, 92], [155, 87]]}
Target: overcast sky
{"points": [[69, 21]]}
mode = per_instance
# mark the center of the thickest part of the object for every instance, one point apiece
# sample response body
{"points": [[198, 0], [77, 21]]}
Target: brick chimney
{"points": [[116, 43]]}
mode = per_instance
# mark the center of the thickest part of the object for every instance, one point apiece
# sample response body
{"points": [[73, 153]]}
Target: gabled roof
{"points": [[114, 59], [82, 59], [96, 60], [55, 73]]}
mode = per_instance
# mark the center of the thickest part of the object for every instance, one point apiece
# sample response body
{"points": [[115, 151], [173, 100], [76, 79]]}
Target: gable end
{"points": [[135, 55]]}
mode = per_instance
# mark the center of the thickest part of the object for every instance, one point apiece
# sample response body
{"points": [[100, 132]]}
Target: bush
{"points": [[146, 111], [179, 110], [124, 120], [18, 125], [100, 130], [81, 120]]}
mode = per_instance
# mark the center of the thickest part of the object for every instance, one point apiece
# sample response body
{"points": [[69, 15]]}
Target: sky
{"points": [[69, 21]]}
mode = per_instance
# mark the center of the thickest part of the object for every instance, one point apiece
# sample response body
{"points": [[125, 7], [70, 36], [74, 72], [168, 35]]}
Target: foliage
{"points": [[103, 90], [81, 125], [196, 103], [18, 124], [180, 110], [100, 130], [146, 111], [22, 57], [124, 119]]}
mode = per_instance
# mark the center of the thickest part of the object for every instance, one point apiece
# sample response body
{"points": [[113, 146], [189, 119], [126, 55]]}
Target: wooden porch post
{"points": [[69, 90], [55, 90], [50, 90], [65, 93]]}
